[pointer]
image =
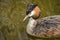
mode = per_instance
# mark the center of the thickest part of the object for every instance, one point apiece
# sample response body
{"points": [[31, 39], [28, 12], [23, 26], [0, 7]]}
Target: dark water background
{"points": [[12, 13]]}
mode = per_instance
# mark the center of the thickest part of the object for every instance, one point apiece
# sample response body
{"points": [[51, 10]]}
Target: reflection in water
{"points": [[19, 36], [2, 36]]}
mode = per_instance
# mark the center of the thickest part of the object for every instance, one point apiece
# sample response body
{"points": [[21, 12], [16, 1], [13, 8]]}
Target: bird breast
{"points": [[31, 24]]}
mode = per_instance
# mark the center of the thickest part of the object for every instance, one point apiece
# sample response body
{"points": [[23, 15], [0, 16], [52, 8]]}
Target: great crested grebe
{"points": [[48, 26]]}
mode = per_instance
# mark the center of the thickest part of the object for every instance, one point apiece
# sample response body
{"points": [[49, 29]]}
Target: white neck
{"points": [[31, 25]]}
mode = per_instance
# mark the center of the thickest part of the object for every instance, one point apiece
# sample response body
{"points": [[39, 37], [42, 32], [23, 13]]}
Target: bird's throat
{"points": [[31, 24]]}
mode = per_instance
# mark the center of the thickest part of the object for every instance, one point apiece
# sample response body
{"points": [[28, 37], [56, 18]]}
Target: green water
{"points": [[12, 13]]}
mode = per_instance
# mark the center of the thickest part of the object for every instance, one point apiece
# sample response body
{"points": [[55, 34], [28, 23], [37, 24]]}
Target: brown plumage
{"points": [[37, 12], [46, 27]]}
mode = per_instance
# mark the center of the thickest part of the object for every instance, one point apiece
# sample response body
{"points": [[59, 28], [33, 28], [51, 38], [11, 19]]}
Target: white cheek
{"points": [[32, 13]]}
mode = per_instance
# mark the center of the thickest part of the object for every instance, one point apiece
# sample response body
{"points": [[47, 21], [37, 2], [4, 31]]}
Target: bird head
{"points": [[32, 11]]}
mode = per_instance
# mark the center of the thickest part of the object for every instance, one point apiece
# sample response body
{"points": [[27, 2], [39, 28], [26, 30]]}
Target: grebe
{"points": [[48, 26]]}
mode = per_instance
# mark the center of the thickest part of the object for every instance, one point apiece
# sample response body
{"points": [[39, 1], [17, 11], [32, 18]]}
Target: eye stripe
{"points": [[32, 13]]}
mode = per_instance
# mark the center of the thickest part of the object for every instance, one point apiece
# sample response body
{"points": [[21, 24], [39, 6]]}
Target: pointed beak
{"points": [[25, 18], [29, 15]]}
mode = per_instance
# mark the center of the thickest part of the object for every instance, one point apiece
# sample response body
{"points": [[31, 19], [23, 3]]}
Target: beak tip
{"points": [[25, 18]]}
